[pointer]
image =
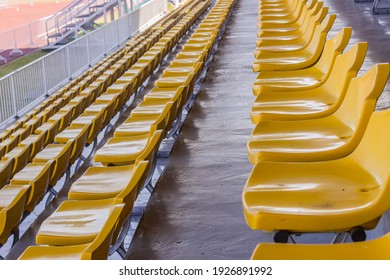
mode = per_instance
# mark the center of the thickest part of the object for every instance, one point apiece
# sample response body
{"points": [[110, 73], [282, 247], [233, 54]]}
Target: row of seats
{"points": [[72, 118], [100, 203], [319, 150]]}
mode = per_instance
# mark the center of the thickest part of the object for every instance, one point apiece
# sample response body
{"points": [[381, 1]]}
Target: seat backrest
{"points": [[373, 155], [312, 16], [320, 33], [152, 146], [332, 48], [298, 8], [6, 167], [345, 68], [361, 96], [99, 248], [137, 180]]}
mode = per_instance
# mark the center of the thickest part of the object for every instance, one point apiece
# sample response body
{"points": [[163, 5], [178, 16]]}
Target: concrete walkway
{"points": [[195, 211]]}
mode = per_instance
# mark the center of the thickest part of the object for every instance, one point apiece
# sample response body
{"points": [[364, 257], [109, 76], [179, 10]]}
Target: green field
{"points": [[20, 62]]}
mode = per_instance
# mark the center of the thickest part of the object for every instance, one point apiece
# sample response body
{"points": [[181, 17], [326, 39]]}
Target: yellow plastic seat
{"points": [[33, 123], [307, 78], [164, 94], [78, 134], [120, 89], [8, 144], [76, 222], [50, 129], [126, 150], [22, 133], [305, 29], [37, 175], [98, 249], [195, 68], [60, 154], [6, 167], [75, 108], [141, 124], [327, 196], [12, 201], [324, 138], [150, 107], [4, 135], [284, 18], [311, 103], [36, 141], [277, 7], [108, 182], [96, 121], [171, 79], [21, 156], [107, 98], [376, 249], [291, 40], [299, 59], [63, 119]]}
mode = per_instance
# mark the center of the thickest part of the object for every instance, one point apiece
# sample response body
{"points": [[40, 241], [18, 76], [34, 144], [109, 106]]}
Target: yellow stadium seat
{"points": [[60, 154], [6, 167], [12, 201], [306, 27], [76, 222], [36, 141], [324, 138], [126, 150], [98, 249], [327, 196], [21, 156], [108, 182], [376, 249], [78, 134], [311, 103], [283, 41], [294, 60], [37, 175], [307, 78]]}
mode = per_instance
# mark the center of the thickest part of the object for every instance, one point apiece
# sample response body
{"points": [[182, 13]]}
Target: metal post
{"points": [[119, 8], [104, 41], [88, 52], [15, 45], [44, 76], [15, 50], [68, 56], [13, 96], [31, 39], [105, 15], [117, 33]]}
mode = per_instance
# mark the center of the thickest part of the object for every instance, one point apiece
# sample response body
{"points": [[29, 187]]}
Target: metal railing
{"points": [[75, 14], [32, 35], [26, 87]]}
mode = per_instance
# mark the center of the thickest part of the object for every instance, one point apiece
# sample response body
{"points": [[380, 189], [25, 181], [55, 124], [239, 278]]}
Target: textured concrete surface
{"points": [[195, 211]]}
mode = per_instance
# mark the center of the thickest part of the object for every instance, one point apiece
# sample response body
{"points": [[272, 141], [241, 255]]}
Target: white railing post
{"points": [[45, 87], [68, 62], [118, 33], [119, 8], [13, 96], [104, 41], [30, 32], [88, 52]]}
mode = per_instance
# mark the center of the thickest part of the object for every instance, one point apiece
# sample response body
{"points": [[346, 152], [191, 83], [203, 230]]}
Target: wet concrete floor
{"points": [[195, 211]]}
